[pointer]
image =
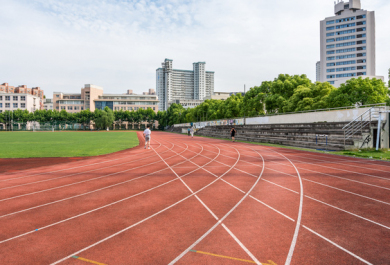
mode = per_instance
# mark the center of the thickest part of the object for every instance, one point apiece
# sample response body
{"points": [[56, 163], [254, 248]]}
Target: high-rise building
{"points": [[173, 84], [318, 71], [347, 43]]}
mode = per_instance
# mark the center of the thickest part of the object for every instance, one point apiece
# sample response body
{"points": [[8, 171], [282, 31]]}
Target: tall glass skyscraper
{"points": [[347, 43], [173, 84]]}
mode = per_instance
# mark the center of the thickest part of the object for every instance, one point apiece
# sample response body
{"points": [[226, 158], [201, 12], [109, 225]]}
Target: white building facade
{"points": [[173, 84], [23, 101], [347, 44]]}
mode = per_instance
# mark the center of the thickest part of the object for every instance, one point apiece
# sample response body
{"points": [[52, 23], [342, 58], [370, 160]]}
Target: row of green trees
{"points": [[284, 94], [102, 118]]}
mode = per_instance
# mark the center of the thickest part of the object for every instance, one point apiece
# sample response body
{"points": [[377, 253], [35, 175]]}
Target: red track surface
{"points": [[244, 203]]}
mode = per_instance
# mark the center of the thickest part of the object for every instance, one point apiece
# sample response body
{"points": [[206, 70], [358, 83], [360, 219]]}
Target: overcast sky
{"points": [[60, 45]]}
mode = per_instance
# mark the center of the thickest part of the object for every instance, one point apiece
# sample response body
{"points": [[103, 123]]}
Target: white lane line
{"points": [[335, 207], [104, 206], [222, 219], [312, 231], [333, 176], [356, 194], [49, 172], [209, 210], [140, 222], [344, 170], [74, 174], [338, 162], [67, 185], [338, 246], [86, 193], [272, 208]]}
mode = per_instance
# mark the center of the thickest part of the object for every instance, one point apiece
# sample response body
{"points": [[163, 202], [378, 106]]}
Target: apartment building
{"points": [[347, 44], [175, 84], [20, 97]]}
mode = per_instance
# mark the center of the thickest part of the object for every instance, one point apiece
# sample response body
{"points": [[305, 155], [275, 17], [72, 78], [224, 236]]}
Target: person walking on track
{"points": [[192, 132], [189, 130], [233, 133], [147, 133]]}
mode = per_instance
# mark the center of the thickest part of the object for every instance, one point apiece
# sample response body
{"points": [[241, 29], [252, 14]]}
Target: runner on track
{"points": [[147, 133], [192, 132], [233, 133]]}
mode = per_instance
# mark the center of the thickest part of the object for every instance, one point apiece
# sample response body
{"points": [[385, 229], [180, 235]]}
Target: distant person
{"points": [[192, 132], [188, 131], [147, 134], [233, 133]]}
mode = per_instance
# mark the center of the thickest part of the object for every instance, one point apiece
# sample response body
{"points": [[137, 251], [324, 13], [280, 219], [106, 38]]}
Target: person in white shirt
{"points": [[192, 132], [147, 133]]}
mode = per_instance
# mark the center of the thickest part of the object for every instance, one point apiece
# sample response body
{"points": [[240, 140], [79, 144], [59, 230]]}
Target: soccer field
{"points": [[64, 144]]}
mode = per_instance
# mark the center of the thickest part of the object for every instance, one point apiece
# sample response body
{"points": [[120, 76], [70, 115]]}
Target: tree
{"points": [[104, 118], [358, 91]]}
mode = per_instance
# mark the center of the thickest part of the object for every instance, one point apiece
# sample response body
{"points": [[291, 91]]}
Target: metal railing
{"points": [[362, 122]]}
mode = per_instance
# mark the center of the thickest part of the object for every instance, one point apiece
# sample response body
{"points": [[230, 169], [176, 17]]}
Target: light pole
{"points": [[244, 108]]}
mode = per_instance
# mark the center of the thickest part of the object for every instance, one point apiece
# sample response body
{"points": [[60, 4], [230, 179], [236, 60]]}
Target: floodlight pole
{"points": [[244, 109]]}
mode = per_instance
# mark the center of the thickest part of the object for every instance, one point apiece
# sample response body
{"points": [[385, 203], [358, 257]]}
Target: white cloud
{"points": [[62, 45]]}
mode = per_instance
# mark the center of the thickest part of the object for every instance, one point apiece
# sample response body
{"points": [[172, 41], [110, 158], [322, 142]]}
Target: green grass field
{"points": [[64, 144]]}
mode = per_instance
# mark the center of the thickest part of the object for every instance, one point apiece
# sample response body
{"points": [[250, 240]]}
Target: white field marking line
{"points": [[49, 172], [347, 158], [67, 185], [337, 162], [185, 184], [298, 222], [364, 174], [107, 205], [79, 195], [356, 215], [333, 176], [223, 163], [332, 187], [338, 246], [147, 218], [223, 218], [74, 174], [210, 211]]}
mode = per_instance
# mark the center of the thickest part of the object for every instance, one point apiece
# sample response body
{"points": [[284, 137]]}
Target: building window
{"points": [[361, 42], [330, 52], [361, 67], [361, 54], [329, 22], [345, 75], [346, 50], [330, 70], [361, 23], [361, 48], [76, 107], [346, 38], [57, 107], [346, 44], [345, 26], [346, 69], [70, 107], [1, 105], [82, 108], [330, 28], [345, 56], [345, 32], [63, 107], [361, 35], [23, 98], [330, 46], [345, 19], [23, 105], [330, 76], [7, 105], [330, 64], [330, 58], [329, 34], [1, 97], [361, 29], [346, 62], [7, 98], [361, 16], [15, 98]]}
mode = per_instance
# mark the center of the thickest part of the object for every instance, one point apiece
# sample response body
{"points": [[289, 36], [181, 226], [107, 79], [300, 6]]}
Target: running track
{"points": [[198, 201]]}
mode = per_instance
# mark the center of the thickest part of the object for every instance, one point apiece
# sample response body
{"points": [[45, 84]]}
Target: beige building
{"points": [[36, 92], [92, 97]]}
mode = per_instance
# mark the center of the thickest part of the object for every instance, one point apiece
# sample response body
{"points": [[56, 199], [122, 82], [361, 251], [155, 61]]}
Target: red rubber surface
{"points": [[241, 201]]}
